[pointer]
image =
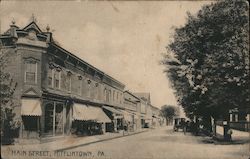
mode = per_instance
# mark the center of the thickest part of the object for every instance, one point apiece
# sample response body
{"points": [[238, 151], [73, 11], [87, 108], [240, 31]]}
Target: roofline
{"points": [[105, 74], [154, 106], [132, 94], [30, 24]]}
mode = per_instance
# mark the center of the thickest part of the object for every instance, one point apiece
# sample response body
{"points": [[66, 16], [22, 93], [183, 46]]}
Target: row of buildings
{"points": [[59, 94]]}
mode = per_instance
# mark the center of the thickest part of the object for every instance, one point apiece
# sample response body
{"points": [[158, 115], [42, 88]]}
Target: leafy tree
{"points": [[169, 112], [7, 89], [208, 60]]}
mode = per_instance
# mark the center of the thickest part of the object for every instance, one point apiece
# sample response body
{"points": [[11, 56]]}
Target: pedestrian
{"points": [[229, 134], [184, 127], [125, 128]]}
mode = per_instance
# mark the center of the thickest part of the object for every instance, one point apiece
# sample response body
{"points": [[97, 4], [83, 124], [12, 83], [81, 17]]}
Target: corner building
{"points": [[57, 93]]}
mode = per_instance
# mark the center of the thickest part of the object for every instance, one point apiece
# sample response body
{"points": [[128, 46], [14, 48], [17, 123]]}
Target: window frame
{"points": [[52, 78], [59, 79], [26, 61]]}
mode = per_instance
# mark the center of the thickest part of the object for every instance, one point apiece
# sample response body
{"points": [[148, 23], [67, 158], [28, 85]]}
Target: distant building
{"points": [[157, 119], [146, 112], [132, 105], [239, 119]]}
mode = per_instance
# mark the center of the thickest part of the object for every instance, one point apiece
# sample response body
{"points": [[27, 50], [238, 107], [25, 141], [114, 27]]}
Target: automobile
{"points": [[179, 123]]}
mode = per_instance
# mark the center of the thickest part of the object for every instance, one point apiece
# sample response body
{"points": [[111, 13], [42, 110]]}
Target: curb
{"points": [[101, 140]]}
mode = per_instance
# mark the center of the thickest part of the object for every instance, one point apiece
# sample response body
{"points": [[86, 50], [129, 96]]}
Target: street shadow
{"points": [[171, 138], [240, 153], [210, 140]]}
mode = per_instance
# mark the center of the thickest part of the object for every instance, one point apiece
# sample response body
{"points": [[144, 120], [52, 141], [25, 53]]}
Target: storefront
{"points": [[55, 118], [142, 121], [88, 120], [31, 113], [128, 120], [116, 116]]}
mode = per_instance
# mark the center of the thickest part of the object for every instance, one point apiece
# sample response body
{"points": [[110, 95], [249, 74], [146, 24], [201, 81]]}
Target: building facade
{"points": [[146, 112], [57, 93], [132, 105]]}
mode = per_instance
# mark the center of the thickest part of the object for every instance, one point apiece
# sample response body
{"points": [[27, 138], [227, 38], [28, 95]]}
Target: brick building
{"points": [[146, 113], [133, 106], [58, 93]]}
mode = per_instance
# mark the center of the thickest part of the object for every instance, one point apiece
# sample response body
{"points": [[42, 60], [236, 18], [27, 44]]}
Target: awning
{"points": [[113, 110], [127, 116], [136, 114], [31, 107], [85, 113]]}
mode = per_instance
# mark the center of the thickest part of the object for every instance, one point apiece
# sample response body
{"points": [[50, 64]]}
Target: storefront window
{"points": [[30, 123], [49, 119], [59, 118], [54, 118]]}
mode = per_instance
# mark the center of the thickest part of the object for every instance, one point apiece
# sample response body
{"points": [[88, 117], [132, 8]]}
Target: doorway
{"points": [[54, 118]]}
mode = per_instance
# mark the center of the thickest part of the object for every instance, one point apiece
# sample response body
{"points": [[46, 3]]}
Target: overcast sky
{"points": [[123, 39]]}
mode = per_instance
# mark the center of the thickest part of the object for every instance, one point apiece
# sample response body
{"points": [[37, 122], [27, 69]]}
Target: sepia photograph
{"points": [[124, 79]]}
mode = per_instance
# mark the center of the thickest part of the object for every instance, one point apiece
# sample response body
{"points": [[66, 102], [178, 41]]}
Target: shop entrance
{"points": [[54, 118]]}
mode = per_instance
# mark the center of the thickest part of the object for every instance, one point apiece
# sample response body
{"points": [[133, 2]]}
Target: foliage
{"points": [[169, 111], [7, 89], [208, 60]]}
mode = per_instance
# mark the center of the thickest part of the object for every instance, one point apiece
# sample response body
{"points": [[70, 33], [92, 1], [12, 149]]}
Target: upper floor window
{"points": [[76, 83], [79, 85], [50, 77], [30, 72], [107, 95], [120, 98], [66, 80], [57, 79], [113, 96], [89, 88]]}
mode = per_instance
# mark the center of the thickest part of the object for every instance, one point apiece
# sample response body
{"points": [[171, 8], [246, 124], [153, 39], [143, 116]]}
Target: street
{"points": [[163, 143]]}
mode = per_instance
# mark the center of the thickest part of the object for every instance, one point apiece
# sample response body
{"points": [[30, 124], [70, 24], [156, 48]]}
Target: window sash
{"points": [[57, 79], [30, 74]]}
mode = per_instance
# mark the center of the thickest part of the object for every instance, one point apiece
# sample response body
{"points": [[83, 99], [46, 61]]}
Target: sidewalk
{"points": [[237, 136], [69, 142]]}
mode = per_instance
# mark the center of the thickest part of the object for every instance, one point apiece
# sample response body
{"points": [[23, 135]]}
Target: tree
{"points": [[208, 60], [7, 89], [169, 112]]}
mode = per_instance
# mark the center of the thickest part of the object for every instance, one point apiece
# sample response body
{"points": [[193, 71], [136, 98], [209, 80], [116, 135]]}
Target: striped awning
{"points": [[113, 110], [87, 112], [31, 107]]}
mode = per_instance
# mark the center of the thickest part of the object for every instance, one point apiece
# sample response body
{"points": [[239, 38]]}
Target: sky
{"points": [[123, 39]]}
